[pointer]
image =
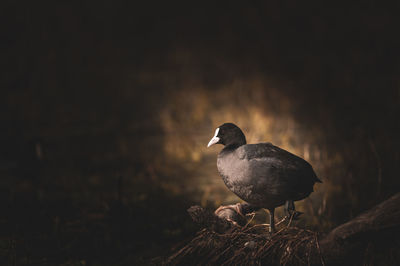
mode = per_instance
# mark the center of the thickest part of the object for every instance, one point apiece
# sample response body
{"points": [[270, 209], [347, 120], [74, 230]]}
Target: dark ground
{"points": [[93, 91]]}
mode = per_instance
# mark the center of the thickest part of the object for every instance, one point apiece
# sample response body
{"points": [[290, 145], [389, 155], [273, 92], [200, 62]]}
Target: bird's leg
{"points": [[286, 208], [272, 220], [290, 210], [289, 207]]}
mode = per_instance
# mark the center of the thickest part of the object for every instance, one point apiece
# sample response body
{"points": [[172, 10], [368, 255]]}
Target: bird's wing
{"points": [[277, 170], [264, 150]]}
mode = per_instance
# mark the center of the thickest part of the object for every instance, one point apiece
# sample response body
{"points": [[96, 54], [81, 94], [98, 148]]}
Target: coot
{"points": [[262, 174]]}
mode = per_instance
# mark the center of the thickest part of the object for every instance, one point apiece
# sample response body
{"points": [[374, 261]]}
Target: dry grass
{"points": [[252, 245]]}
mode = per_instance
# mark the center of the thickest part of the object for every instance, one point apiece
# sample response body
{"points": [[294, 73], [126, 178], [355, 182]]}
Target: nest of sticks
{"points": [[224, 242], [228, 238]]}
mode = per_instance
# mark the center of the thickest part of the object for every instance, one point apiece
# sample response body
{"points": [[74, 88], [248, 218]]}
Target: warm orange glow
{"points": [[189, 121]]}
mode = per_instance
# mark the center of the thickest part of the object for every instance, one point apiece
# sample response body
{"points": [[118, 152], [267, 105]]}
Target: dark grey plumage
{"points": [[262, 174]]}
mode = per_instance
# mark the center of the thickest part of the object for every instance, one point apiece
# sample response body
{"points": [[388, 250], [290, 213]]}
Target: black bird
{"points": [[262, 174]]}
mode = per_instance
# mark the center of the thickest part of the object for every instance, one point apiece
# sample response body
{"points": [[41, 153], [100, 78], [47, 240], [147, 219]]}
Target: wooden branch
{"points": [[379, 224]]}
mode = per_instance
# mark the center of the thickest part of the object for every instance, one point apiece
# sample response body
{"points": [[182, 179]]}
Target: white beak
{"points": [[215, 139]]}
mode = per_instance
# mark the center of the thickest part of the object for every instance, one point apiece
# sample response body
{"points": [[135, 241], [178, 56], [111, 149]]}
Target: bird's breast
{"points": [[234, 172]]}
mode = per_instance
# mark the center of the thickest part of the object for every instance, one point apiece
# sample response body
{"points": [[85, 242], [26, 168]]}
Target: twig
{"points": [[319, 249]]}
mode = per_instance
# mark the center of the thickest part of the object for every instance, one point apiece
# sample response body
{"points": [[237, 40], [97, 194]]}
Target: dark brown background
{"points": [[96, 90]]}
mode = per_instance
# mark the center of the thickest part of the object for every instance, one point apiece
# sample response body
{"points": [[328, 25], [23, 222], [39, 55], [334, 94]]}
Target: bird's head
{"points": [[228, 134]]}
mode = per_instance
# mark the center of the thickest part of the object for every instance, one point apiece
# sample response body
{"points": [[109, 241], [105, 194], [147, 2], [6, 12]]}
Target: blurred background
{"points": [[107, 108]]}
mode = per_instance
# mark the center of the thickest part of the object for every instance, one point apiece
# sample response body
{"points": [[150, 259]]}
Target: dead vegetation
{"points": [[368, 239], [251, 246]]}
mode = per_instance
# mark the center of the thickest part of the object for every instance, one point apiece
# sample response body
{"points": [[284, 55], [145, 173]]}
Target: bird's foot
{"points": [[291, 212]]}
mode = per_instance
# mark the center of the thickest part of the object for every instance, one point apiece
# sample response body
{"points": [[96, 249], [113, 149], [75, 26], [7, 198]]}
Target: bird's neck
{"points": [[234, 145]]}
